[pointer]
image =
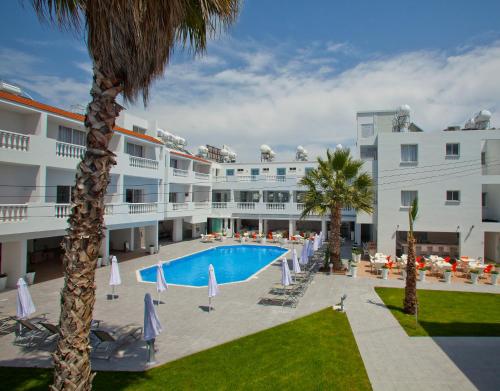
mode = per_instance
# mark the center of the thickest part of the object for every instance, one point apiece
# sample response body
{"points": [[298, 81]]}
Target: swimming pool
{"points": [[231, 264]]}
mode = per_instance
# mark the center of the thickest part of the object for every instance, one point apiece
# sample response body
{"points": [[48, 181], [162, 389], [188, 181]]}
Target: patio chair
{"points": [[7, 325], [30, 335], [108, 343], [282, 300]]}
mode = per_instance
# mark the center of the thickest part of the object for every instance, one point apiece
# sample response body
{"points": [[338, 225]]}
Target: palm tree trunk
{"points": [[72, 370], [410, 300], [335, 222]]}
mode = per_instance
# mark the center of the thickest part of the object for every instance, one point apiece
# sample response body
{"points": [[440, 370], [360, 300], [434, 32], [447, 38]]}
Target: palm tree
{"points": [[337, 183], [130, 42], [410, 301]]}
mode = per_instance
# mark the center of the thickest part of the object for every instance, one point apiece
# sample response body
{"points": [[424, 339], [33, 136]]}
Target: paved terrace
{"points": [[393, 360]]}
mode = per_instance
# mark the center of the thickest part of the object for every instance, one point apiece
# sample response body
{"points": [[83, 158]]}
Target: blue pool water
{"points": [[231, 264]]}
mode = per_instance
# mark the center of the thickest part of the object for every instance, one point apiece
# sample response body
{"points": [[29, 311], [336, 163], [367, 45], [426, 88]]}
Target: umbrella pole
{"points": [[159, 293], [209, 303], [112, 292]]}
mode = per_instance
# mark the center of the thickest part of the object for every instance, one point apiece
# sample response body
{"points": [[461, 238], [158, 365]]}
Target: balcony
{"points": [[62, 210], [275, 206], [142, 208], [11, 213], [201, 204], [245, 205], [179, 172], [14, 141], [70, 150], [141, 162], [219, 205], [201, 175], [180, 205]]}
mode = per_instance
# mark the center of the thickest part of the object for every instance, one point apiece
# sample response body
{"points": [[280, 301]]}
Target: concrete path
{"points": [[393, 360]]}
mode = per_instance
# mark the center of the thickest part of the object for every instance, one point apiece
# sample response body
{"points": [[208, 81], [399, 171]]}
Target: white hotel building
{"points": [[163, 193]]}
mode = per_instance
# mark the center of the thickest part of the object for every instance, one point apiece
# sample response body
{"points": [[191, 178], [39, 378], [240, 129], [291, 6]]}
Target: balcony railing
{"points": [[201, 205], [180, 205], [108, 209], [245, 205], [142, 208], [179, 172], [10, 213], [69, 150], [219, 205], [275, 178], [300, 207], [62, 210], [275, 206], [142, 162], [16, 141], [201, 175]]}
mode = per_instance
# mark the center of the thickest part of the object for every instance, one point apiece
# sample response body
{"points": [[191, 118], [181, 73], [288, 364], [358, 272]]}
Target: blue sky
{"points": [[291, 72]]}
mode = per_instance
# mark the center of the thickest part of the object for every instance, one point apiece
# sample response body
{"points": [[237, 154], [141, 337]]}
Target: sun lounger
{"points": [[282, 301], [31, 335], [108, 343]]}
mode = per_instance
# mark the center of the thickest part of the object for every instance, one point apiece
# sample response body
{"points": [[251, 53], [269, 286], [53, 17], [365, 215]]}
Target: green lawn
{"points": [[317, 352], [445, 313]]}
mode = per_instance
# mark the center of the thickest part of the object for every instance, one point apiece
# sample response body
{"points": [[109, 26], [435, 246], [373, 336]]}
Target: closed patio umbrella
{"points": [[316, 243], [114, 277], [25, 306], [295, 262], [161, 283], [286, 278], [304, 255], [152, 327], [310, 248], [213, 288]]}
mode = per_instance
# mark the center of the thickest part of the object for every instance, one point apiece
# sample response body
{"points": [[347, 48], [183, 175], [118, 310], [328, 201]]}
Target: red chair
{"points": [[447, 259], [454, 267], [388, 258], [237, 235], [488, 269], [270, 236]]}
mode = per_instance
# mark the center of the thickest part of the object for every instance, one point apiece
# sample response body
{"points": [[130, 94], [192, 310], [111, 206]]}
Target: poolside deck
{"points": [[188, 328]]}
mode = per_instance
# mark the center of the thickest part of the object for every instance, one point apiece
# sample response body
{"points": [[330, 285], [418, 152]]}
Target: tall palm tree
{"points": [[337, 183], [130, 42], [411, 301]]}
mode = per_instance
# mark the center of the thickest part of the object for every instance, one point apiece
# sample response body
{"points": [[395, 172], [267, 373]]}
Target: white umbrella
{"points": [[316, 243], [114, 277], [25, 306], [161, 283], [152, 326], [310, 249], [295, 262], [286, 278], [304, 255], [213, 288]]}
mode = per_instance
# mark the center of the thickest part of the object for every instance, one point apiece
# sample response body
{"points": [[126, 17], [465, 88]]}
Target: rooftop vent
{"points": [[479, 121]]}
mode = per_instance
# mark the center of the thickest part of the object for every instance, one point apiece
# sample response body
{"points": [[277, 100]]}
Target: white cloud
{"points": [[286, 102]]}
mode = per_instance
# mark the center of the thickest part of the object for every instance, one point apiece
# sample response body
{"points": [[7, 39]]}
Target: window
{"points": [[254, 171], [368, 152], [172, 197], [71, 136], [483, 199], [308, 170], [409, 153], [240, 170], [453, 196], [408, 196], [173, 163], [230, 172], [366, 130], [134, 195], [139, 129], [63, 195], [452, 150], [265, 169], [281, 171], [135, 150], [292, 169], [483, 158]]}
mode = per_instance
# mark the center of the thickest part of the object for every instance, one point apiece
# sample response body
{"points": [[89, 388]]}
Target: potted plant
{"points": [[385, 272], [3, 281], [447, 276], [421, 273], [354, 269], [356, 254], [151, 249], [30, 276], [474, 275], [494, 277]]}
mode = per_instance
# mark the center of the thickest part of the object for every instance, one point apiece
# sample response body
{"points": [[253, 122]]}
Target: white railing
{"points": [[16, 141], [275, 178], [180, 205], [140, 208], [219, 205], [10, 213], [245, 205], [70, 150], [201, 175], [201, 205], [275, 206], [142, 162], [179, 172], [62, 210], [300, 207], [108, 209], [246, 178]]}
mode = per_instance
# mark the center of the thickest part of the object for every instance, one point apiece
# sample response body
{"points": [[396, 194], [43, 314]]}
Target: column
{"points": [[323, 227], [177, 230], [238, 225], [14, 261], [120, 189], [265, 226], [41, 180], [291, 227], [131, 240], [260, 226], [151, 232], [357, 233], [104, 249]]}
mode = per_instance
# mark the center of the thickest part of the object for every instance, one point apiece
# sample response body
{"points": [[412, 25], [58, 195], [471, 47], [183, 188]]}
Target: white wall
{"points": [[21, 181]]}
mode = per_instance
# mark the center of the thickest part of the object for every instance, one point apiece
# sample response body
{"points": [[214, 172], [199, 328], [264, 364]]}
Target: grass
{"points": [[446, 313], [317, 352]]}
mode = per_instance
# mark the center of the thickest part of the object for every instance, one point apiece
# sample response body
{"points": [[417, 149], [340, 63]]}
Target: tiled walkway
{"points": [[393, 360]]}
